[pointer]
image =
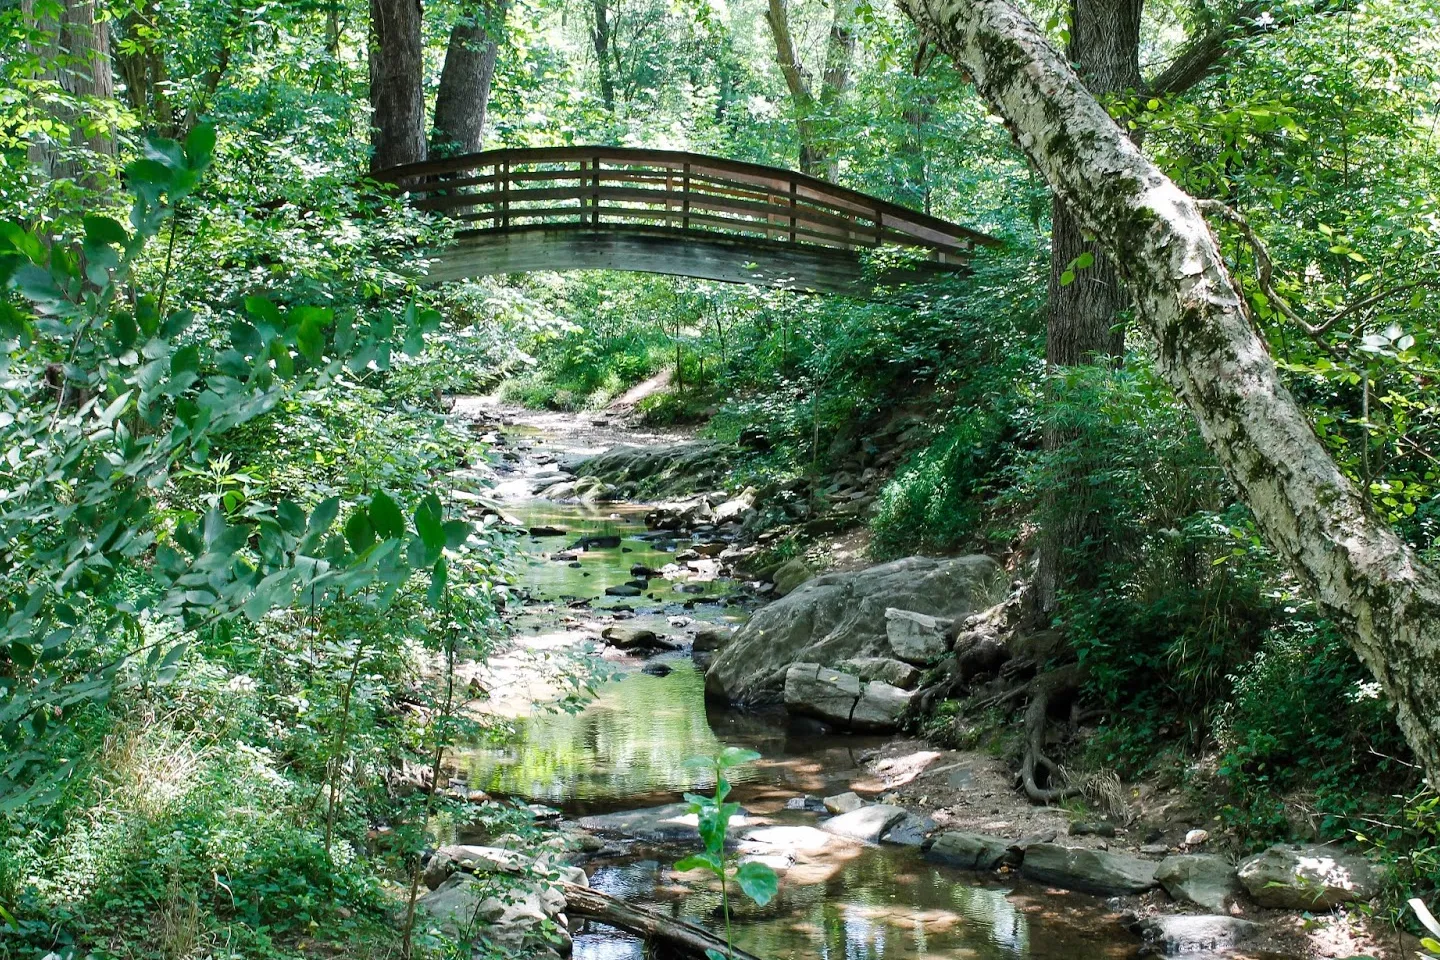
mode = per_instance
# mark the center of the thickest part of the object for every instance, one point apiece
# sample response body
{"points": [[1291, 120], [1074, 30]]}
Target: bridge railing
{"points": [[591, 187]]}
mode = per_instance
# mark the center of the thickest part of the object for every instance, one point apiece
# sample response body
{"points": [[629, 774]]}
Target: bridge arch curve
{"points": [[668, 212]]}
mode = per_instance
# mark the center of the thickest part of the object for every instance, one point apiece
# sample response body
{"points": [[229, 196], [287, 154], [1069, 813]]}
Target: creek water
{"points": [[626, 748]]}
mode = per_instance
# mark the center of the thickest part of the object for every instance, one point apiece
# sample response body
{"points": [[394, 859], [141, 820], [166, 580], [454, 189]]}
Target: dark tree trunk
{"points": [[75, 52], [1087, 312], [396, 83], [465, 80], [600, 37]]}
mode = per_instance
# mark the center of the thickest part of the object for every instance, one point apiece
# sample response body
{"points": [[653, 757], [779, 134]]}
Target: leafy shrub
{"points": [[931, 506]]}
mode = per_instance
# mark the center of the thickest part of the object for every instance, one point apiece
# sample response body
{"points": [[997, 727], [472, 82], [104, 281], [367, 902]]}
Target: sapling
{"points": [[756, 880]]}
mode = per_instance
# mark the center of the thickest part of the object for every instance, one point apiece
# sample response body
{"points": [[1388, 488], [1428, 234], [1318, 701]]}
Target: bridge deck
{"points": [[665, 211]]}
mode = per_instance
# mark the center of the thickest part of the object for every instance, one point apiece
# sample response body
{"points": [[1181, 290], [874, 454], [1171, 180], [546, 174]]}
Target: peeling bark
{"points": [[1359, 570]]}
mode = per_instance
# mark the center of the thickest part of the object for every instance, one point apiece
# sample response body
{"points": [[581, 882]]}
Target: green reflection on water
{"points": [[631, 740]]}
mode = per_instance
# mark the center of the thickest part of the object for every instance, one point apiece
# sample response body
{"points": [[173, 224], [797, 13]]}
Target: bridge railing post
{"points": [[793, 188], [595, 191], [685, 200]]}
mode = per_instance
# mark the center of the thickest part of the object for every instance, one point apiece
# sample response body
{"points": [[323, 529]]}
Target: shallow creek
{"points": [[625, 749]]}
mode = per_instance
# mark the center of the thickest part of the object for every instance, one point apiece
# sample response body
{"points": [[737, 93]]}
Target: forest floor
{"points": [[969, 790]]}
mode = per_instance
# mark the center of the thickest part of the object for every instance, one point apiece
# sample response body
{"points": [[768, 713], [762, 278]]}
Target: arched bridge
{"points": [[668, 212]]}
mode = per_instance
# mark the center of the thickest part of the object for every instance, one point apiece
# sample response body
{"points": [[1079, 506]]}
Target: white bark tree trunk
{"points": [[1367, 579]]}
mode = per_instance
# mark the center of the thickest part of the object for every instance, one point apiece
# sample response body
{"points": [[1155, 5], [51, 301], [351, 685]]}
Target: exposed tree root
{"points": [[1059, 683]]}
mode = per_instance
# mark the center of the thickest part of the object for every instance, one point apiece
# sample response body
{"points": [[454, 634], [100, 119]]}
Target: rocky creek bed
{"points": [[887, 848]]}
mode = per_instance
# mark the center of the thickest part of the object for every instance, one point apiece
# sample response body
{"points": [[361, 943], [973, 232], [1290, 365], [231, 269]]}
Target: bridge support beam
{"points": [[680, 253]]}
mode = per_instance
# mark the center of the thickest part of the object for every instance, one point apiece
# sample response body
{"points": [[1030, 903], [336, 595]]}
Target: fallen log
{"points": [[652, 925]]}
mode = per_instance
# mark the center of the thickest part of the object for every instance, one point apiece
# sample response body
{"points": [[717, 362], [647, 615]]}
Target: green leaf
{"points": [[734, 756], [758, 881], [104, 230], [311, 339], [428, 523], [359, 532], [200, 145], [699, 861], [386, 516], [456, 533]]}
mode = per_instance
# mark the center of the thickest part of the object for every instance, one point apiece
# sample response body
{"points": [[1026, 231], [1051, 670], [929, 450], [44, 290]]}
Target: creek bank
{"points": [[702, 551]]}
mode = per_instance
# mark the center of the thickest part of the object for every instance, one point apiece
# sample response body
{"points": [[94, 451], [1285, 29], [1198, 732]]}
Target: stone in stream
{"points": [[1089, 871], [633, 638], [840, 616], [1174, 935], [546, 532], [866, 824], [665, 824], [1204, 879], [969, 851], [599, 542], [843, 802], [656, 669], [710, 639], [911, 830], [642, 571], [623, 590], [1312, 877]]}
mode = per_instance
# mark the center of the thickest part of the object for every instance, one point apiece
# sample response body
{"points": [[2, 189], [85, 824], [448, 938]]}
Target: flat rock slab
{"points": [[916, 637], [1310, 877], [867, 824], [1090, 871], [1174, 935], [1204, 879], [911, 830], [780, 839], [969, 851], [843, 802], [670, 822]]}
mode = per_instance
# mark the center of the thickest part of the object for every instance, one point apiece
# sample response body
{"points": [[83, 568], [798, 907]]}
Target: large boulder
{"points": [[1295, 877], [840, 616], [670, 471], [1174, 935], [969, 851], [1205, 879], [841, 699], [1090, 871]]}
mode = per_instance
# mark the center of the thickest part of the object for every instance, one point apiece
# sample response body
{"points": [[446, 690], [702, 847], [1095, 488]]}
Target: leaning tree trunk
{"points": [[1361, 572], [396, 83], [464, 93], [1086, 305]]}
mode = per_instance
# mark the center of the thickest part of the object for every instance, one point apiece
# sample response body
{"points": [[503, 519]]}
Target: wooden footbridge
{"points": [[669, 212]]}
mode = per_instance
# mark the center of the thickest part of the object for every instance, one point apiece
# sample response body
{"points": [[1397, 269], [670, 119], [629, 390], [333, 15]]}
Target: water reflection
{"points": [[881, 905]]}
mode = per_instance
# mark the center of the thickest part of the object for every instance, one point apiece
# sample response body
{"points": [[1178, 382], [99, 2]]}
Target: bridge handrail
{"points": [[749, 196]]}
